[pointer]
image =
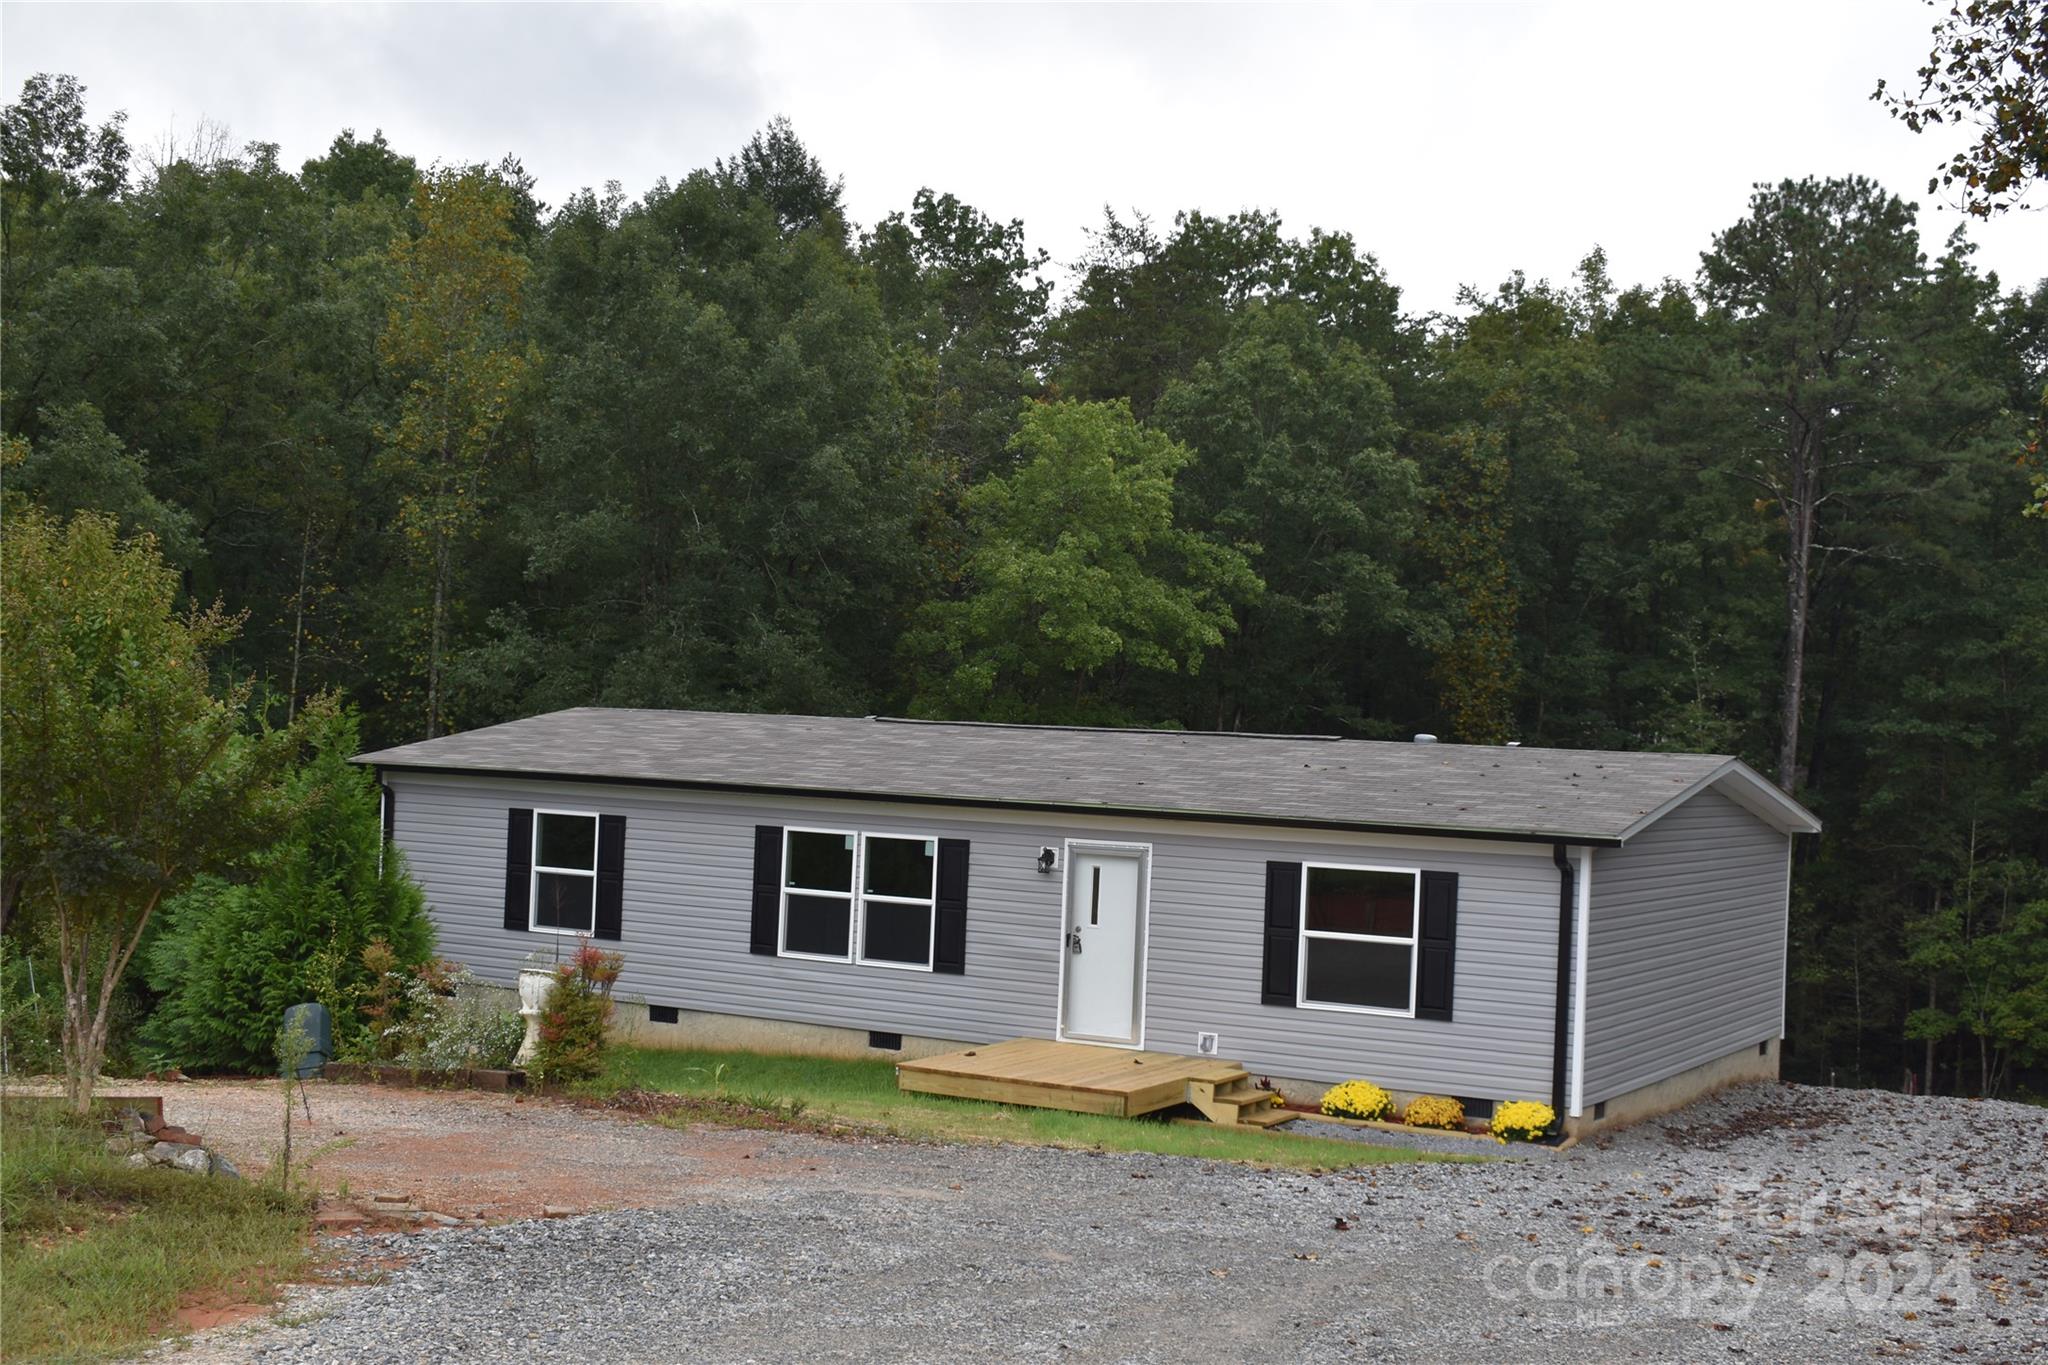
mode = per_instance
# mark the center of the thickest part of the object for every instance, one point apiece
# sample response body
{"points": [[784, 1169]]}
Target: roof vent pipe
{"points": [[1425, 739]]}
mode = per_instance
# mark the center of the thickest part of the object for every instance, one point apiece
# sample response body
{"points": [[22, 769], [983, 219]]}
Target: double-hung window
{"points": [[1358, 938], [564, 871], [866, 898], [899, 888], [817, 893]]}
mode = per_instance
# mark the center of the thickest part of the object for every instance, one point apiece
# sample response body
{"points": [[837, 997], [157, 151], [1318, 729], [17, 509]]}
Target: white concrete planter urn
{"points": [[534, 985]]}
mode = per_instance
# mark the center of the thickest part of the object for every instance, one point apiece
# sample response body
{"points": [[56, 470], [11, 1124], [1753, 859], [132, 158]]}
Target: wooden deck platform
{"points": [[1093, 1080]]}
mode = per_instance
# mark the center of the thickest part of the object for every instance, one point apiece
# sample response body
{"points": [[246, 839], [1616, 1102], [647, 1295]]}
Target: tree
{"points": [[232, 955], [776, 168], [353, 168], [1078, 576], [1814, 284], [128, 773], [1293, 434], [723, 501], [1989, 67], [452, 338], [49, 154], [964, 290], [79, 465], [1475, 668]]}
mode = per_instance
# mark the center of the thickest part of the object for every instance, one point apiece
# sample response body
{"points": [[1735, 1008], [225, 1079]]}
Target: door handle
{"points": [[1074, 942]]}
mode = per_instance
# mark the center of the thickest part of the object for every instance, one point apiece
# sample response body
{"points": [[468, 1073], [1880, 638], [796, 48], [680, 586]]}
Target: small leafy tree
{"points": [[233, 956], [451, 337], [291, 1046], [576, 1017], [1079, 576], [129, 772]]}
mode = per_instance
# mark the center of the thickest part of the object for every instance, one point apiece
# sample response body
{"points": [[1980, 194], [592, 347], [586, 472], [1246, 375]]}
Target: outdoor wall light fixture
{"points": [[1048, 858]]}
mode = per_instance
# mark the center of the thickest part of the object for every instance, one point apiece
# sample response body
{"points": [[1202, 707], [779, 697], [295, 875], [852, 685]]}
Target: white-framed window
{"points": [[817, 893], [899, 892], [1358, 929], [564, 871], [854, 897]]}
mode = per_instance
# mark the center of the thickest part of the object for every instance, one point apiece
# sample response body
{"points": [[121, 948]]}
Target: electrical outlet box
{"points": [[1207, 1044]]}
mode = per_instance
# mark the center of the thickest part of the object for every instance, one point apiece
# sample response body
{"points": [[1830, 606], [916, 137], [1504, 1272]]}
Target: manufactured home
{"points": [[1605, 932]]}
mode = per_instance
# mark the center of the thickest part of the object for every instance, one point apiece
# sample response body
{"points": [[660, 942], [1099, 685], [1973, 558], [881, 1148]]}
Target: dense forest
{"points": [[462, 456]]}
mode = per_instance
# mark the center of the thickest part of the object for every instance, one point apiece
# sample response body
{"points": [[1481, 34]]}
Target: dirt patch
{"points": [[665, 1107], [2023, 1220], [220, 1308], [496, 1157], [1763, 1120]]}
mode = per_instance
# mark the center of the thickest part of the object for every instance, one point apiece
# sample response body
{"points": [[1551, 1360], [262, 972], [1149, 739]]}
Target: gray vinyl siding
{"points": [[688, 876], [1685, 954]]}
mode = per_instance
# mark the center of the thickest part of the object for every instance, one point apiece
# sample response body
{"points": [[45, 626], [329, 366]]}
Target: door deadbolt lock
{"points": [[1074, 942]]}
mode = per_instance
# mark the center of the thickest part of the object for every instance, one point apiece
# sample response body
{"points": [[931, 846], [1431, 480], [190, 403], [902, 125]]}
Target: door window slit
{"points": [[1095, 900]]}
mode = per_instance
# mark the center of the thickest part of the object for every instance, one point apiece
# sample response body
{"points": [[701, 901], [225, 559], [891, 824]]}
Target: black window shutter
{"points": [[767, 889], [519, 870], [1436, 944], [609, 921], [1283, 926], [390, 811], [949, 945]]}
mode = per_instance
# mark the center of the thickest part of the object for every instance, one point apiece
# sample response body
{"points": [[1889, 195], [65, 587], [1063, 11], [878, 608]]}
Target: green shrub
{"points": [[231, 956], [31, 1010], [451, 1019], [575, 1019]]}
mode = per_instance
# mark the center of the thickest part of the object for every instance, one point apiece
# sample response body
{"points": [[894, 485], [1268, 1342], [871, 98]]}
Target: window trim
{"points": [[1303, 934], [856, 901], [533, 924], [863, 896], [849, 895]]}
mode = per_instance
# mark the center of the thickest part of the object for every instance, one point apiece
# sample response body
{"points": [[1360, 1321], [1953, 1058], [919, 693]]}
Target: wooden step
{"points": [[1267, 1118], [1246, 1098], [1233, 1101]]}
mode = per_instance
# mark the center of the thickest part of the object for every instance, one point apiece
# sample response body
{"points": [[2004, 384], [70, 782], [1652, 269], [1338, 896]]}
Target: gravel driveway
{"points": [[1771, 1223]]}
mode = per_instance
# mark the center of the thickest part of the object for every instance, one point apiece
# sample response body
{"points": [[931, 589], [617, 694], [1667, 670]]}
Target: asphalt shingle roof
{"points": [[1570, 794]]}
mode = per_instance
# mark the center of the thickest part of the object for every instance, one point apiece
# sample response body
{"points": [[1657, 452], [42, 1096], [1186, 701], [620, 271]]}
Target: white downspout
{"points": [[1785, 947], [1576, 1085]]}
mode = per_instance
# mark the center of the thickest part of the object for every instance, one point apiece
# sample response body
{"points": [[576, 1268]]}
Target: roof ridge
{"points": [[1098, 729]]}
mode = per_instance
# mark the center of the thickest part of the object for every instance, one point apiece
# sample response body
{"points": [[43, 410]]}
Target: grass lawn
{"points": [[96, 1255], [862, 1091]]}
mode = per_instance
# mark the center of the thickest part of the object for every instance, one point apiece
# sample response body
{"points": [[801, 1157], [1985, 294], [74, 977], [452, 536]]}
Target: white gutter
{"points": [[1577, 1083]]}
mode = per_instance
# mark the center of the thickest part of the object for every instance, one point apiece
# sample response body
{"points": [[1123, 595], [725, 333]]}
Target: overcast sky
{"points": [[1455, 142]]}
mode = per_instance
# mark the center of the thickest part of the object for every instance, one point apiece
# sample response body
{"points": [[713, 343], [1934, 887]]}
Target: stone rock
{"points": [[173, 1133], [153, 1124], [556, 1211], [224, 1168], [164, 1153], [196, 1160], [138, 1159]]}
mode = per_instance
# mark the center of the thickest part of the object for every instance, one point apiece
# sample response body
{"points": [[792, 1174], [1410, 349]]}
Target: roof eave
{"points": [[382, 760]]}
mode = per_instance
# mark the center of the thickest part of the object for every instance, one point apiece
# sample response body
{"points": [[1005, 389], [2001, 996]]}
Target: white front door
{"points": [[1103, 944]]}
